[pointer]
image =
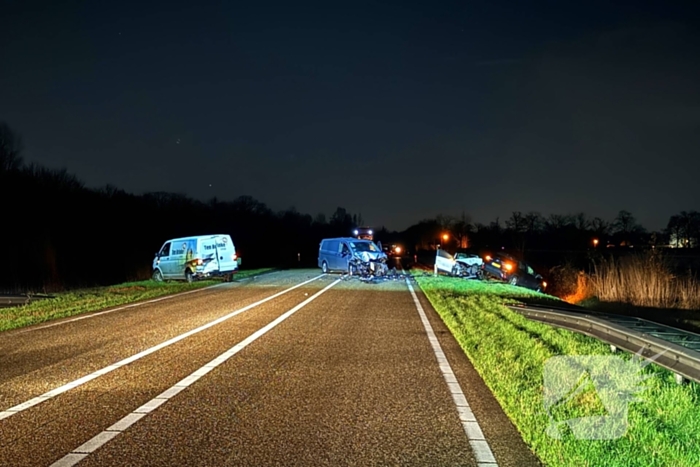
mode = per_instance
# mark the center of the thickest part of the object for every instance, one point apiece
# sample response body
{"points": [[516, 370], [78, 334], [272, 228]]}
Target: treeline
{"points": [[556, 243], [534, 232], [56, 233]]}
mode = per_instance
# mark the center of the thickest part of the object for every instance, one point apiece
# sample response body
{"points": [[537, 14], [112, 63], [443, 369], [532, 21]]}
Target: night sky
{"points": [[396, 110]]}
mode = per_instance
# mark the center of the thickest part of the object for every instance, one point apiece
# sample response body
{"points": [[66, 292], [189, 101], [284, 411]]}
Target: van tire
{"points": [[324, 267], [188, 276], [157, 275]]}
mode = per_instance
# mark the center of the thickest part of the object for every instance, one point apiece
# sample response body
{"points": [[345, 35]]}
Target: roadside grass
{"points": [[98, 298], [509, 352]]}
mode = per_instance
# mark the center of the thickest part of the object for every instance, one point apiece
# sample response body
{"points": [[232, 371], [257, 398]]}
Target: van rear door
{"points": [[226, 254]]}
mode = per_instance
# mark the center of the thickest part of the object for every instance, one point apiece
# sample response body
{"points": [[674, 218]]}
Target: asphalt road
{"points": [[255, 373]]}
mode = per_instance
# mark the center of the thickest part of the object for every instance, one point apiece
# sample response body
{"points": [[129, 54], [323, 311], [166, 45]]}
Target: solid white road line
{"points": [[113, 431], [73, 384], [482, 450]]}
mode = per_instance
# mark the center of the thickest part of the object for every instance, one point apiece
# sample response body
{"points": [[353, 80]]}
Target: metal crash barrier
{"points": [[7, 301], [674, 349]]}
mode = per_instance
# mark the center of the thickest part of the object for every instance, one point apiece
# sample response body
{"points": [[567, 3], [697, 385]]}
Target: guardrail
{"points": [[16, 300], [679, 349]]}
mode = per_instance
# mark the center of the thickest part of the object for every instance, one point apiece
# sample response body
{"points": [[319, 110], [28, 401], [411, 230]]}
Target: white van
{"points": [[193, 258]]}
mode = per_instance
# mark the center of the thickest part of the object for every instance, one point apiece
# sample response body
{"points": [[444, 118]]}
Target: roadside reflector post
{"points": [[679, 378], [435, 269], [613, 349]]}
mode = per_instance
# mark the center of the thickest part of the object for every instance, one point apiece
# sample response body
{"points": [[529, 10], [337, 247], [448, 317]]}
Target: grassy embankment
{"points": [[510, 352], [93, 299]]}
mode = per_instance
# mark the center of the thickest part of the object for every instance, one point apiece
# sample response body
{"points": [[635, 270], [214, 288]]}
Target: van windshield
{"points": [[364, 246]]}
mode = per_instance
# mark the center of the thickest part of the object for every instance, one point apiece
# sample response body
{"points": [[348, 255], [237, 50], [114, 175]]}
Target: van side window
{"points": [[344, 250], [165, 251]]}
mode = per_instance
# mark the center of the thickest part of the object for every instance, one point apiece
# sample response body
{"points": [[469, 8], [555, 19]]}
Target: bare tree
{"points": [[599, 226], [516, 222], [461, 229], [580, 220], [10, 149], [626, 227], [557, 222], [533, 222]]}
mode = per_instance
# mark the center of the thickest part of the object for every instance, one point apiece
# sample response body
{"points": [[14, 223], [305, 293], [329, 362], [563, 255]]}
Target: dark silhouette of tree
{"points": [[516, 222], [10, 149], [58, 234], [600, 228], [626, 228], [533, 223], [683, 229]]}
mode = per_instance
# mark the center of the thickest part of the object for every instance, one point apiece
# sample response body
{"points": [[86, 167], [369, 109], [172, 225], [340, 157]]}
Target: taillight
{"points": [[233, 257]]}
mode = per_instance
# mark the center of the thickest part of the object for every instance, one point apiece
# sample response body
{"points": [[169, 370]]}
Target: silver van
{"points": [[348, 255]]}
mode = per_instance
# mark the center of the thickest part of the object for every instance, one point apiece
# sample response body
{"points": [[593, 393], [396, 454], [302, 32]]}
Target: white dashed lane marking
{"points": [[74, 384], [113, 431]]}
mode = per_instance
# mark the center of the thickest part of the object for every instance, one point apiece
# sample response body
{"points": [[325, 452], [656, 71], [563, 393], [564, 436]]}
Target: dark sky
{"points": [[397, 110]]}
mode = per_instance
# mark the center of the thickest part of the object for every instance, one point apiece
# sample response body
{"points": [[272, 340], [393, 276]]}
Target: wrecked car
{"points": [[352, 256], [508, 269], [467, 265]]}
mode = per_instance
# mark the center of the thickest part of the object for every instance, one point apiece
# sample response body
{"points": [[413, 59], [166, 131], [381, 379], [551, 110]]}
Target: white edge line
{"points": [[73, 384], [477, 441], [119, 427], [123, 307]]}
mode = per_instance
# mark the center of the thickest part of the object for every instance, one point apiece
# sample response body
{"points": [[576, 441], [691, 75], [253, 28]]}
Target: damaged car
{"points": [[352, 256], [507, 268], [466, 265]]}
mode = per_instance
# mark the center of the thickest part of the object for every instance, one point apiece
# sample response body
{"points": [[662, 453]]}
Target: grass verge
{"points": [[98, 298], [509, 352]]}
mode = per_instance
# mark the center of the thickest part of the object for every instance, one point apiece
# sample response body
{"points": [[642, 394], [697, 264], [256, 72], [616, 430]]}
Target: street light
{"points": [[595, 242], [445, 237]]}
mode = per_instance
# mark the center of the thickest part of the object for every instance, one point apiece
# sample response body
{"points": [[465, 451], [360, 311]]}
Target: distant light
{"points": [[355, 232], [445, 237], [398, 249], [370, 232]]}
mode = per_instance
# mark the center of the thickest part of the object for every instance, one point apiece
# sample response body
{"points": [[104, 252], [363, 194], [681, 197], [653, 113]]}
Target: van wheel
{"points": [[324, 267], [188, 276], [157, 275]]}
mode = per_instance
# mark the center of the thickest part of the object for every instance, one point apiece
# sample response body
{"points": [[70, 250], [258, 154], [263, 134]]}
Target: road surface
{"points": [[290, 368]]}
